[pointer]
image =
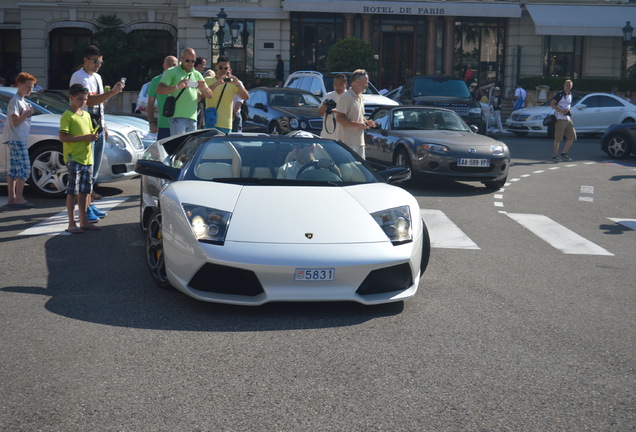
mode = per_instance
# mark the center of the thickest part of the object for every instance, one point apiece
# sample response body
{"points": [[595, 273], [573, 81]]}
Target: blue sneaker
{"points": [[97, 212], [90, 216]]}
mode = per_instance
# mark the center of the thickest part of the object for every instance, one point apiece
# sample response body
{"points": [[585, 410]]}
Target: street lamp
{"points": [[627, 39], [221, 19], [220, 34]]}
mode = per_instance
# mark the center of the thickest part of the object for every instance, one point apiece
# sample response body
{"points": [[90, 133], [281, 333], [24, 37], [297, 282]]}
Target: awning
{"points": [[406, 8], [581, 20]]}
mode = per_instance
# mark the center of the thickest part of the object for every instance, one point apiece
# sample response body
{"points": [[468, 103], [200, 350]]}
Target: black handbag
{"points": [[549, 120], [170, 104]]}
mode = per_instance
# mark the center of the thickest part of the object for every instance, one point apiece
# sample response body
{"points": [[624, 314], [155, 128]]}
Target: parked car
{"points": [[619, 140], [49, 175], [224, 229], [53, 102], [436, 143], [282, 110], [591, 114], [444, 92], [320, 84]]}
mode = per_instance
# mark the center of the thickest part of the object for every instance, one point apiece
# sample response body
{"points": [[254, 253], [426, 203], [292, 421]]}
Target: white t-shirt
{"points": [[328, 129], [94, 85], [17, 105]]}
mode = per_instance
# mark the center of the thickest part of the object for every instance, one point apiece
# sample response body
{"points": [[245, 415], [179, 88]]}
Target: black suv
{"points": [[444, 92]]}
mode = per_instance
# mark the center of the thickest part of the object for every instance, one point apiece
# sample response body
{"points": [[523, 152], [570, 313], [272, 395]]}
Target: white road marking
{"points": [[444, 233], [586, 194], [58, 223], [557, 235], [629, 223]]}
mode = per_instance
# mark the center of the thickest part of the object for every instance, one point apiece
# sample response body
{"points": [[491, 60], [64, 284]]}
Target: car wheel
{"points": [[521, 134], [498, 184], [154, 251], [426, 248], [49, 175], [280, 127], [617, 146], [402, 159], [629, 120]]}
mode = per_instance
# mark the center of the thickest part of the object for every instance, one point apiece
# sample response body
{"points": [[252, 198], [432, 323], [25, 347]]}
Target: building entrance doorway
{"points": [[396, 59]]}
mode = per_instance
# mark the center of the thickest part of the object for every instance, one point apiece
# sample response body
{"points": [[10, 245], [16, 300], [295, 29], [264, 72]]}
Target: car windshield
{"points": [[440, 87], [288, 99], [329, 86], [56, 104], [271, 161], [405, 119]]}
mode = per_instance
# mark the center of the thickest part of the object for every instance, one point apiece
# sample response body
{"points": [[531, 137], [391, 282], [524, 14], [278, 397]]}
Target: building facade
{"points": [[501, 40]]}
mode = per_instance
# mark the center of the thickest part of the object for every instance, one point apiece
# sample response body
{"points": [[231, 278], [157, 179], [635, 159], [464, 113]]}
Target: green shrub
{"points": [[350, 54]]}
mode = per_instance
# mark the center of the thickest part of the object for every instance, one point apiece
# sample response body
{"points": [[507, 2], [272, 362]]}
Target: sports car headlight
{"points": [[293, 123], [208, 225], [115, 141], [498, 149], [396, 224], [436, 148], [476, 110]]}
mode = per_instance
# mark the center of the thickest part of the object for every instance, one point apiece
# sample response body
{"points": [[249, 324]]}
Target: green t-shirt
{"points": [[225, 112], [77, 124], [162, 122], [187, 103]]}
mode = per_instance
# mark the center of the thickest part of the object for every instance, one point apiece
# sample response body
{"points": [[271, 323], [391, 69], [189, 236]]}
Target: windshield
{"points": [[426, 119], [288, 99], [265, 160], [440, 87], [56, 104]]}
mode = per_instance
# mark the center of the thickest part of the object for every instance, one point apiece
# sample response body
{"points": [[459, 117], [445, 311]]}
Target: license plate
{"points": [[516, 125], [314, 274], [467, 162]]}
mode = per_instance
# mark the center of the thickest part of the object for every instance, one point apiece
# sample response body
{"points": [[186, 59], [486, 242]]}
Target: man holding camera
{"points": [[224, 87], [184, 83], [327, 109], [564, 127]]}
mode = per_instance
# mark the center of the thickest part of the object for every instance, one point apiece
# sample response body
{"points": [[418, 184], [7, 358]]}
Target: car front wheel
{"points": [[618, 147], [154, 251], [49, 174]]}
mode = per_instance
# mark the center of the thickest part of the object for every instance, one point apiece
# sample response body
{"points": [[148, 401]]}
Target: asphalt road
{"points": [[512, 329]]}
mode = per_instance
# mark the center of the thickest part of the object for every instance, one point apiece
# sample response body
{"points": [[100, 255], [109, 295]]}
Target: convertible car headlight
{"points": [[115, 140], [498, 149], [436, 148], [293, 123], [208, 225], [396, 224]]}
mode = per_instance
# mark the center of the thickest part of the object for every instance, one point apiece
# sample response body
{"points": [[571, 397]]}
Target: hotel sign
{"points": [[402, 10]]}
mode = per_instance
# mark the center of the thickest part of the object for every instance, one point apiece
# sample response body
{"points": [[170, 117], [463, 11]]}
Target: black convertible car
{"points": [[282, 110]]}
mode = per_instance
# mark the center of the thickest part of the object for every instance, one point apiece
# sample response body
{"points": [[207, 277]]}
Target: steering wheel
{"points": [[314, 164]]}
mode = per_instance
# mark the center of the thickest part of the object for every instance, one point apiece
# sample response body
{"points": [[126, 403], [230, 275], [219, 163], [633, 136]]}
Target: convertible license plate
{"points": [[314, 274], [468, 162]]}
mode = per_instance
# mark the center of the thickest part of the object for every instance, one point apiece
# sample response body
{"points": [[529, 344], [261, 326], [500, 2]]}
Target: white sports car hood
{"points": [[297, 214]]}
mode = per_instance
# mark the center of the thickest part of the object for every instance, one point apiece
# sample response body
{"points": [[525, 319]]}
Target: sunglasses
{"points": [[97, 62], [189, 61], [223, 67]]}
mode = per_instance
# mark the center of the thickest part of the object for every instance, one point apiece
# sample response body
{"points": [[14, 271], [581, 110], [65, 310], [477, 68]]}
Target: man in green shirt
{"points": [[185, 83], [160, 126]]}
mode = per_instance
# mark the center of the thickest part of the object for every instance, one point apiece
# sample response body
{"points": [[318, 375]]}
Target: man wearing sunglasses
{"points": [[88, 77], [224, 87], [185, 83], [301, 155], [350, 113]]}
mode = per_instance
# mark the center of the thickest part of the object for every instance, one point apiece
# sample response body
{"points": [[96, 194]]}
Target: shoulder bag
{"points": [[211, 114]]}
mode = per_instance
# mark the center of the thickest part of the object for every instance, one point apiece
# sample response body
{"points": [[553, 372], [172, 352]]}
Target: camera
{"points": [[227, 79], [331, 104]]}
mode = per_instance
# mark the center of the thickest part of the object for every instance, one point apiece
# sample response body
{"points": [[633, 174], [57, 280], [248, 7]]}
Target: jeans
{"points": [[180, 125], [98, 154], [237, 124]]}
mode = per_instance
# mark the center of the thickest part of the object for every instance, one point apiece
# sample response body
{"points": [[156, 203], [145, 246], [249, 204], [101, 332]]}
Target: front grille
{"points": [[395, 278], [460, 109], [226, 280], [315, 124], [134, 139]]}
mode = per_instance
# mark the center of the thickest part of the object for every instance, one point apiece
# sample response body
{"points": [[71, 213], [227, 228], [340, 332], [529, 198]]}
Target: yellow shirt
{"points": [[224, 112]]}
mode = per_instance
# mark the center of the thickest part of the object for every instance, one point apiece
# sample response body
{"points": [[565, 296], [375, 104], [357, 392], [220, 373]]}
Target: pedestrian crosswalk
{"points": [[444, 233]]}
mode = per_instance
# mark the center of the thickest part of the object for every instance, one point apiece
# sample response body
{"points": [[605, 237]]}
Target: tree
{"points": [[350, 54]]}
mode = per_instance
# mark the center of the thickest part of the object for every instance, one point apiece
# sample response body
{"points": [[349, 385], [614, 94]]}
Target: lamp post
{"points": [[220, 34], [221, 19], [627, 40]]}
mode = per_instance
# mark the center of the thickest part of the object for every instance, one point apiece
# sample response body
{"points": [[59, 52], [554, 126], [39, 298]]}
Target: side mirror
{"points": [[474, 128], [261, 106], [581, 107], [395, 175]]}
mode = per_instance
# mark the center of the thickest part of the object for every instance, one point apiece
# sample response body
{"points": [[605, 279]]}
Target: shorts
{"points": [[80, 178], [564, 128], [20, 165]]}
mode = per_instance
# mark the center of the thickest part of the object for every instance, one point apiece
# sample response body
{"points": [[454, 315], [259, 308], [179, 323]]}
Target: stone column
{"points": [[348, 25], [431, 45], [367, 29], [449, 46]]}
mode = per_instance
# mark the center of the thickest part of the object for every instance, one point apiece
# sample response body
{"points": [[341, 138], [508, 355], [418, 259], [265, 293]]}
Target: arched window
{"points": [[66, 45]]}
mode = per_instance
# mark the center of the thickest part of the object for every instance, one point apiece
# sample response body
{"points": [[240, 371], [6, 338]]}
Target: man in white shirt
{"points": [[88, 77], [350, 114], [520, 97], [330, 128]]}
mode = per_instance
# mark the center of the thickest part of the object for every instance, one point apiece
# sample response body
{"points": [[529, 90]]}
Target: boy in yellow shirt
{"points": [[76, 134]]}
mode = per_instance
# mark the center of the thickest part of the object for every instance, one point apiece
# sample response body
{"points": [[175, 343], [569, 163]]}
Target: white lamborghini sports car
{"points": [[221, 226]]}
